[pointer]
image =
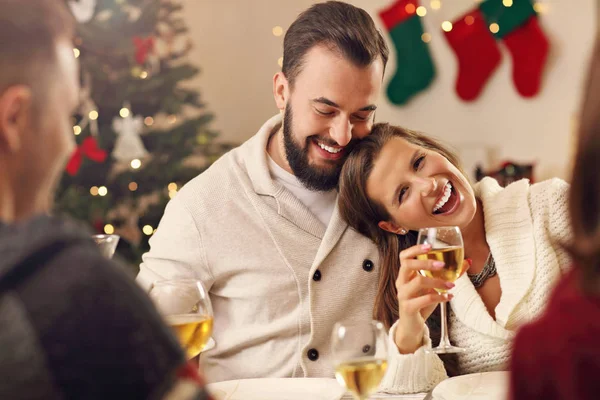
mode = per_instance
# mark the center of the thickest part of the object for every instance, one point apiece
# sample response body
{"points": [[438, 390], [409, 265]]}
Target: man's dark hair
{"points": [[337, 25]]}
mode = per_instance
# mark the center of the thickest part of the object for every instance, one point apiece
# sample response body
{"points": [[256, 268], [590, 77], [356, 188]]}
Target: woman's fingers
{"points": [[421, 284], [409, 264], [416, 304]]}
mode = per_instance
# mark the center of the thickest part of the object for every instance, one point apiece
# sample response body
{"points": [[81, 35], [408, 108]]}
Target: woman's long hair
{"points": [[364, 214], [584, 196]]}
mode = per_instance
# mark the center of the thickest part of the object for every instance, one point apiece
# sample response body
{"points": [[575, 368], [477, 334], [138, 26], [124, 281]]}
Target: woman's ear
{"points": [[391, 227]]}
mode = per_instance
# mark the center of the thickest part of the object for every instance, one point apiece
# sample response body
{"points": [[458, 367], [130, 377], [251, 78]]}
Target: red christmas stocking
{"points": [[529, 49], [477, 52], [528, 46]]}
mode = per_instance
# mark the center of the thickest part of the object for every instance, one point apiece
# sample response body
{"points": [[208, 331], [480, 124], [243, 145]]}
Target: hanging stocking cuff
{"points": [[398, 12], [507, 18]]}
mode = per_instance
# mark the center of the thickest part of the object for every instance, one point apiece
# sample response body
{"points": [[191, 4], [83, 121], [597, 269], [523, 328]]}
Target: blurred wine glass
{"points": [[186, 307], [107, 244], [360, 356]]}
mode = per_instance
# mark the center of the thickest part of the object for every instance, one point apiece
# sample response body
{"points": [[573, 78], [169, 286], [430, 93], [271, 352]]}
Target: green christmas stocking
{"points": [[414, 66]]}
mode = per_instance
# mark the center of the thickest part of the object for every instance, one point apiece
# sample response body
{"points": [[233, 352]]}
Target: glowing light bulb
{"points": [[277, 30], [447, 26]]}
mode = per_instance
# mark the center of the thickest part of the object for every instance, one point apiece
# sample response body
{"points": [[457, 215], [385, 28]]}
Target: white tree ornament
{"points": [[128, 145], [83, 10], [87, 106]]}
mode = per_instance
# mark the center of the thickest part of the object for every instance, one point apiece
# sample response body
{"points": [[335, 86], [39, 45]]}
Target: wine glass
{"points": [[360, 356], [107, 244], [447, 246], [186, 307]]}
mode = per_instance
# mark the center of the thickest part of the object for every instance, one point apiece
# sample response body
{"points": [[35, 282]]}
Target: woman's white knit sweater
{"points": [[524, 225]]}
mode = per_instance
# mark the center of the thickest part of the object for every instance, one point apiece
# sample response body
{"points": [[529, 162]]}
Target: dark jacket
{"points": [[73, 325]]}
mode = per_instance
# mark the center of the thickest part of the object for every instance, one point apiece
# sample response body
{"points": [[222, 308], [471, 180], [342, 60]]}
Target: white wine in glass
{"points": [[192, 330], [452, 256], [446, 245], [360, 356], [186, 307]]}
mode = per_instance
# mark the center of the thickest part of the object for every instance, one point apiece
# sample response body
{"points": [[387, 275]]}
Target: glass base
{"points": [[446, 350]]}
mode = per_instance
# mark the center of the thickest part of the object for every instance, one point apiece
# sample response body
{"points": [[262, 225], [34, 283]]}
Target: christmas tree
{"points": [[141, 134]]}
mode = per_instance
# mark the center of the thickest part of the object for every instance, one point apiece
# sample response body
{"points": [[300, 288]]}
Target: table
{"points": [[292, 389], [415, 396]]}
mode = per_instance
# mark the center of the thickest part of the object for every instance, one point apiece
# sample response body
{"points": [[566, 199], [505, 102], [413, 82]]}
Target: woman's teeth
{"points": [[329, 149], [445, 197]]}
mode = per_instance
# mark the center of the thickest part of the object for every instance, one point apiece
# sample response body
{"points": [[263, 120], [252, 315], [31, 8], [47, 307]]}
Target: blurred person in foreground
{"points": [[558, 356], [71, 324]]}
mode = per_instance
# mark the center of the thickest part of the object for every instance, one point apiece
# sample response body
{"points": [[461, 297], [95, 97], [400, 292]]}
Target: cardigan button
{"points": [[317, 276], [368, 265], [313, 355]]}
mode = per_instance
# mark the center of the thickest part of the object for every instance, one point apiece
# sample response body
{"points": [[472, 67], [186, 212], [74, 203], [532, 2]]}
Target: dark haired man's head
{"points": [[333, 65]]}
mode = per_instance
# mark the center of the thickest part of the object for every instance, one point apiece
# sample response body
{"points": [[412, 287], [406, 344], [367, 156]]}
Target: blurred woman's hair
{"points": [[584, 196]]}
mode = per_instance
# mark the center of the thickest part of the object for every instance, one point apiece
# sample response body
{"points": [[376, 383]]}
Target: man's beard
{"points": [[318, 179]]}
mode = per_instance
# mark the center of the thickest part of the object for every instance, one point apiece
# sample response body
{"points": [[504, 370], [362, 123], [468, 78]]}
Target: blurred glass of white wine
{"points": [[186, 307], [360, 356]]}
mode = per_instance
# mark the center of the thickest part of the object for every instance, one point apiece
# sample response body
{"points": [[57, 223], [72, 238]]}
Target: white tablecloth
{"points": [[290, 389], [481, 386]]}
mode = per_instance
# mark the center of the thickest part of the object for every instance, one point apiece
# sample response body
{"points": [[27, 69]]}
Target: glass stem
{"points": [[444, 340]]}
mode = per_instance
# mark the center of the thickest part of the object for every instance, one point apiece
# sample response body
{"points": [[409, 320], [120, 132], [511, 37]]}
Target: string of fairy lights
{"points": [[435, 5]]}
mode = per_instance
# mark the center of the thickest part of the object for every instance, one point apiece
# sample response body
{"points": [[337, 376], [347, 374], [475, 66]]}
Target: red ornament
{"points": [[98, 225], [88, 148], [142, 48]]}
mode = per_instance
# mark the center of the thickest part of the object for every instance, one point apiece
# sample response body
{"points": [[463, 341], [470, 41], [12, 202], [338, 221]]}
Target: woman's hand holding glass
{"points": [[417, 296]]}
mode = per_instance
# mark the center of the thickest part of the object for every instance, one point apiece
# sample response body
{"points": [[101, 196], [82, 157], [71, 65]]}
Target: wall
{"points": [[238, 53]]}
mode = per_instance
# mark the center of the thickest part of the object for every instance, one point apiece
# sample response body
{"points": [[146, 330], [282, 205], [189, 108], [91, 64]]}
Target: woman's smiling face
{"points": [[419, 188]]}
